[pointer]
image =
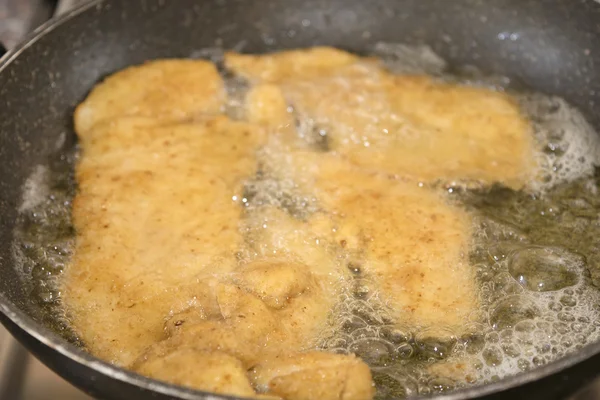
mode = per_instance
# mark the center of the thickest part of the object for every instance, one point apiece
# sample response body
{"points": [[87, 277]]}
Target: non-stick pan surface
{"points": [[552, 46]]}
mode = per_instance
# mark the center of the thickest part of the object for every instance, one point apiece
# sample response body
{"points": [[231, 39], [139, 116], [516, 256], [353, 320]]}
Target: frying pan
{"points": [[551, 46]]}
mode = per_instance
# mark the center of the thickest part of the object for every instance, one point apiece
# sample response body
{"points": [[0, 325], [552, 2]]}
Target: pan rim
{"points": [[43, 335]]}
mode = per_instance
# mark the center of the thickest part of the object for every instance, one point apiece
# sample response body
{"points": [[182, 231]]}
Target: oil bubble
{"points": [[511, 310], [543, 269]]}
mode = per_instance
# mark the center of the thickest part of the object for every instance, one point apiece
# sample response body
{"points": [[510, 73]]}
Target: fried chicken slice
{"points": [[406, 240], [153, 216], [411, 126]]}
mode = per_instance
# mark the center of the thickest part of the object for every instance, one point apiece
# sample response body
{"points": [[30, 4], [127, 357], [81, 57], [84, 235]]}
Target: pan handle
{"points": [[2, 50]]}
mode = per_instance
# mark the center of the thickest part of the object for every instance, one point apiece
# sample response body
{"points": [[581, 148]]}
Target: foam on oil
{"points": [[44, 236]]}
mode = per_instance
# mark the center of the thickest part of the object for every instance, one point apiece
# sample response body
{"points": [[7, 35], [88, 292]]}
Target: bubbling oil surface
{"points": [[45, 237], [535, 253]]}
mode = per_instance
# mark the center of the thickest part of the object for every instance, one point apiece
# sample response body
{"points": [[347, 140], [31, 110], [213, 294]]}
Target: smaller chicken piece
{"points": [[266, 105], [276, 283], [315, 375], [212, 371], [250, 334], [458, 370]]}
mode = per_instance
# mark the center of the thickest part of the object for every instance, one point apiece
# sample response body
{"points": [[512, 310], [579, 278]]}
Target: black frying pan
{"points": [[556, 50]]}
